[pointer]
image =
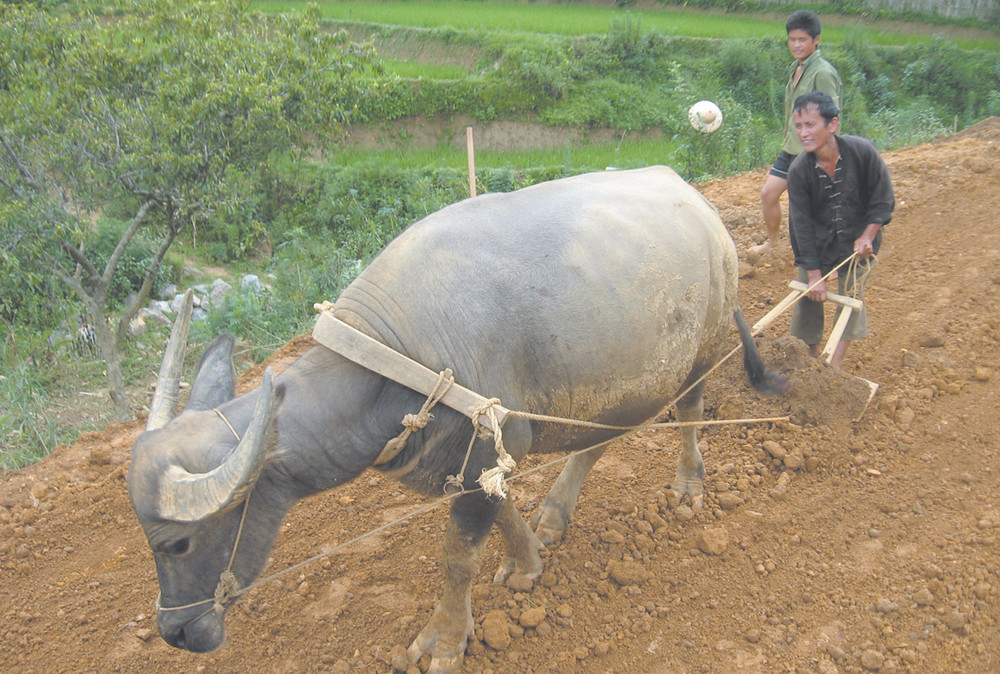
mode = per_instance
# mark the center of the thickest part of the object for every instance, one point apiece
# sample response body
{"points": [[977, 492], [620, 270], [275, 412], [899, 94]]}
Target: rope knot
{"points": [[227, 590], [484, 409], [414, 422]]}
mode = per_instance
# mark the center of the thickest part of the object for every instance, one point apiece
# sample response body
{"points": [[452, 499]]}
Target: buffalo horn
{"points": [[188, 497], [164, 404]]}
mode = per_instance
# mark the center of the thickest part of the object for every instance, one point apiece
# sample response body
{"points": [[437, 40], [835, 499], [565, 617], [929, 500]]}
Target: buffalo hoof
{"points": [[692, 489], [549, 525], [439, 664], [446, 641], [509, 567]]}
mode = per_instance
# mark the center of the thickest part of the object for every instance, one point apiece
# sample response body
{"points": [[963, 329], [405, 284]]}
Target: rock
{"points": [[827, 667], [533, 617], [982, 374], [910, 359], [627, 573], [955, 620], [684, 513], [931, 339], [251, 282], [793, 461], [644, 542], [888, 404], [781, 488], [518, 582], [904, 418], [137, 326], [872, 660], [496, 630], [161, 307], [654, 519], [836, 652], [217, 295], [398, 659], [612, 537], [885, 606], [167, 291], [775, 450], [729, 501], [923, 597], [144, 633], [39, 490], [176, 303], [713, 541]]}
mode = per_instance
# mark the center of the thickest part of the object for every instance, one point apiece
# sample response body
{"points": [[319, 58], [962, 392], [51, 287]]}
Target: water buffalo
{"points": [[598, 297]]}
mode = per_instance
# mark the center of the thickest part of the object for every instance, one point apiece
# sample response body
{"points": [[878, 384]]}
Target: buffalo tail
{"points": [[762, 379]]}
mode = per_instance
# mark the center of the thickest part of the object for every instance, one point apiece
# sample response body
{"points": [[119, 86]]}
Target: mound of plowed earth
{"points": [[852, 538]]}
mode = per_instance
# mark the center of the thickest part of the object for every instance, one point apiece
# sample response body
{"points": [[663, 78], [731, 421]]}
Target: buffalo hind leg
{"points": [[446, 635], [551, 519], [690, 467], [521, 546]]}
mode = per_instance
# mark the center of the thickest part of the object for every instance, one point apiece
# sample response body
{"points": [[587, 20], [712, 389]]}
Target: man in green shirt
{"points": [[809, 72]]}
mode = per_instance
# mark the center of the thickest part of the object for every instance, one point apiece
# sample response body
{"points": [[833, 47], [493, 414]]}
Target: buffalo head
{"points": [[190, 482]]}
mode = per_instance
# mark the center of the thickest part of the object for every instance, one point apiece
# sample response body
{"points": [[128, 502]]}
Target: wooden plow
{"points": [[850, 304]]}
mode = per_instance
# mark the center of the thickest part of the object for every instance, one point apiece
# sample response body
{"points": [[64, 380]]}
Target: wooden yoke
{"points": [[373, 355]]}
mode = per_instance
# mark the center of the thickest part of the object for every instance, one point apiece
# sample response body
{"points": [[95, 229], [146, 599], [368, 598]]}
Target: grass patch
{"points": [[627, 152], [577, 19], [423, 70]]}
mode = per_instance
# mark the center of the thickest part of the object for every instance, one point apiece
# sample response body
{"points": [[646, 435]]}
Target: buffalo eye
{"points": [[178, 547]]}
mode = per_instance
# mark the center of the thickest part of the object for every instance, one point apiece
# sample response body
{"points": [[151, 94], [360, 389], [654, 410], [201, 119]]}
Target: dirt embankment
{"points": [[828, 544]]}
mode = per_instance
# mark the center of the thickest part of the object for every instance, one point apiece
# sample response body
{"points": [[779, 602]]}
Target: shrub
{"points": [[30, 290], [941, 73], [611, 102], [754, 75], [27, 433]]}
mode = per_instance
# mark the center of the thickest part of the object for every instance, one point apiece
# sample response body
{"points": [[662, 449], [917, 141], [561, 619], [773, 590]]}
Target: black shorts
{"points": [[781, 164]]}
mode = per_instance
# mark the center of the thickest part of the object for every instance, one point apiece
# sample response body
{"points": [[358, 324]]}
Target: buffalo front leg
{"points": [[551, 519], [447, 634], [690, 467], [521, 546]]}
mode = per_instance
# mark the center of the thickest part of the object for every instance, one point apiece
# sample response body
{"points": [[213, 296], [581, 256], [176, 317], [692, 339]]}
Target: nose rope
{"points": [[228, 587]]}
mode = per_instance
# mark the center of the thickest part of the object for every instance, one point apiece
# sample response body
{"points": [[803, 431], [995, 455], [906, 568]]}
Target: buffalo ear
{"points": [[215, 381]]}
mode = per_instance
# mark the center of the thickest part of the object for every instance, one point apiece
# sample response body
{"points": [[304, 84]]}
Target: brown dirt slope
{"points": [[827, 544]]}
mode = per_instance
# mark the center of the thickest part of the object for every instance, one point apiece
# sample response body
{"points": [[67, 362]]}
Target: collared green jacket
{"points": [[817, 75]]}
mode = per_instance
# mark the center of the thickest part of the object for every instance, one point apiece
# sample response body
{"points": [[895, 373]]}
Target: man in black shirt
{"points": [[839, 198]]}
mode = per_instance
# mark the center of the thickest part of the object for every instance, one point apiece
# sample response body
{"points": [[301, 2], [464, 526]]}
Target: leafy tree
{"points": [[153, 119]]}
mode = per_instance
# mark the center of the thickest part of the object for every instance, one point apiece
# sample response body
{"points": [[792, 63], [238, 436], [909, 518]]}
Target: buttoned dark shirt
{"points": [[826, 215]]}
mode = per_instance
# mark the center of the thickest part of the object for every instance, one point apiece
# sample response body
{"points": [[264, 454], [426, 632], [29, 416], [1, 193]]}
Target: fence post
{"points": [[472, 161]]}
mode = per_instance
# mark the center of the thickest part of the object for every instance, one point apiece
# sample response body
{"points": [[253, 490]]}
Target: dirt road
{"points": [[828, 544]]}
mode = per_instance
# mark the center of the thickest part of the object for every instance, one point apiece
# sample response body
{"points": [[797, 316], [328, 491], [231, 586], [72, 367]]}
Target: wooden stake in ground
{"points": [[472, 161]]}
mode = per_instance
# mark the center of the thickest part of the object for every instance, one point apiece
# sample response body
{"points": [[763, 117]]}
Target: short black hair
{"points": [[803, 19], [824, 104]]}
